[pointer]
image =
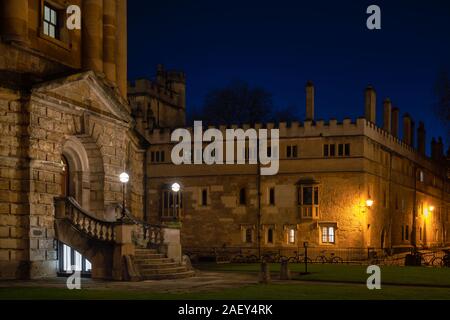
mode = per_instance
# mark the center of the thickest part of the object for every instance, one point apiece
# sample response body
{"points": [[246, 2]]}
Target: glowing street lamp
{"points": [[369, 203], [124, 178], [431, 208], [175, 187]]}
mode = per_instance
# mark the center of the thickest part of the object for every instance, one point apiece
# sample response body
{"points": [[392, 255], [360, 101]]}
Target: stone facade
{"points": [[410, 192], [62, 95], [159, 103]]}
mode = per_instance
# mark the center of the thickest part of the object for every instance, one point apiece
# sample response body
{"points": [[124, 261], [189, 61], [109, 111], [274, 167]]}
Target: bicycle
{"points": [[299, 258], [332, 259], [432, 262]]}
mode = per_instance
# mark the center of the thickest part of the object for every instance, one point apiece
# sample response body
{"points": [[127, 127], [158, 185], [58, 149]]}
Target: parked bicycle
{"points": [[331, 259], [431, 260], [299, 258], [273, 257]]}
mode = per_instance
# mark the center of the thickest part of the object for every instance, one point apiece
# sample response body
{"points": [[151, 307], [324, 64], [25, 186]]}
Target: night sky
{"points": [[279, 45]]}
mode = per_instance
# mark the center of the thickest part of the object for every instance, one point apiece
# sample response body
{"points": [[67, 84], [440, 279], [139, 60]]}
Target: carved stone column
{"points": [[15, 20], [92, 29], [109, 39]]}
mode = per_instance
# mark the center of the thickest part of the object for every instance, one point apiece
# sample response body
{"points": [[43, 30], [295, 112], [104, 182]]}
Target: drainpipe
{"points": [[258, 186], [414, 226], [145, 185], [390, 202]]}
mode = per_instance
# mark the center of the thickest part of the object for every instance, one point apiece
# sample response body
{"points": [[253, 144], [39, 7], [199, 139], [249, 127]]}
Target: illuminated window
{"points": [[71, 260], [328, 235], [421, 176], [50, 21], [291, 236]]}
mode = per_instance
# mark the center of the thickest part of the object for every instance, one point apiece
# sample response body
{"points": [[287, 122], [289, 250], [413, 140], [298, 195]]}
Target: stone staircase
{"points": [[155, 266]]}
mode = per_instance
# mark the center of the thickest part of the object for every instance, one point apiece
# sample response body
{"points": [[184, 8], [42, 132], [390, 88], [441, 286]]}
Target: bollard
{"points": [[264, 274], [285, 273]]}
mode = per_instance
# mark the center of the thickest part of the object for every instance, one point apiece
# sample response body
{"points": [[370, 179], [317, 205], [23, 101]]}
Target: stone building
{"points": [[348, 184], [66, 135]]}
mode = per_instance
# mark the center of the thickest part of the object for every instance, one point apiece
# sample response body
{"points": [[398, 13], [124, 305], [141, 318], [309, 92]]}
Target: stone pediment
{"points": [[87, 91]]}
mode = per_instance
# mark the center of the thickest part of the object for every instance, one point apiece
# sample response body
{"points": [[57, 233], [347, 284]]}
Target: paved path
{"points": [[203, 281]]}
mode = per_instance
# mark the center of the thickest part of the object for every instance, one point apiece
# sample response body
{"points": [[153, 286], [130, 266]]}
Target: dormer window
{"points": [[50, 21]]}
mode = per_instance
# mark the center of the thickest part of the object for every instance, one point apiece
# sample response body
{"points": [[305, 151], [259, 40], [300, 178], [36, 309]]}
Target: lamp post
{"points": [[124, 178], [175, 189]]}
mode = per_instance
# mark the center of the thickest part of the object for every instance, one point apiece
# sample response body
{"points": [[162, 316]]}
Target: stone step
{"points": [[152, 261], [152, 266], [179, 275], [144, 251], [149, 256], [179, 269]]}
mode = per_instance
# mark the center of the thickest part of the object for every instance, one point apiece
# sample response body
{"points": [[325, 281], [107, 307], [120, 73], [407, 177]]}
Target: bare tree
{"points": [[237, 103]]}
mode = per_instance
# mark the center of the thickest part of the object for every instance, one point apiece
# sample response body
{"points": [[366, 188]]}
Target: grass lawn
{"points": [[349, 273], [397, 283], [294, 291]]}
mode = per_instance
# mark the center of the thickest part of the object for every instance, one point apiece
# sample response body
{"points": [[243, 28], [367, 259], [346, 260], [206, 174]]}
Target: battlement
{"points": [[168, 86], [310, 129]]}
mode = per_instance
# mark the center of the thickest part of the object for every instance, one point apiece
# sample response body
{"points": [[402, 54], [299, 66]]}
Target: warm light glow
{"points": [[124, 177], [369, 202], [176, 187], [431, 209]]}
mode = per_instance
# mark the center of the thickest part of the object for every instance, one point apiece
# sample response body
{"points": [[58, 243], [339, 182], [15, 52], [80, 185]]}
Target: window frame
{"points": [[171, 204], [327, 237], [309, 210], [50, 23]]}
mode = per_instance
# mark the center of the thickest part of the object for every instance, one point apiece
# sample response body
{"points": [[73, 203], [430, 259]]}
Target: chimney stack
{"points": [[434, 153], [407, 129], [394, 119], [387, 115], [309, 101], [370, 104], [421, 138], [440, 149]]}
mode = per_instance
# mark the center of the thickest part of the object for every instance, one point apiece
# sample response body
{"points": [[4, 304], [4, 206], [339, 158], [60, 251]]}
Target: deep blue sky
{"points": [[281, 44]]}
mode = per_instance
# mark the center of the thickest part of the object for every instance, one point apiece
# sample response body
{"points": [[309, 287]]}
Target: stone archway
{"points": [[86, 175]]}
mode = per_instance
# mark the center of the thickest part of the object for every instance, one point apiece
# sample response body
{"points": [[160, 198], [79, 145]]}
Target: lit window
{"points": [[71, 260], [421, 176], [291, 236], [50, 22], [328, 235]]}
